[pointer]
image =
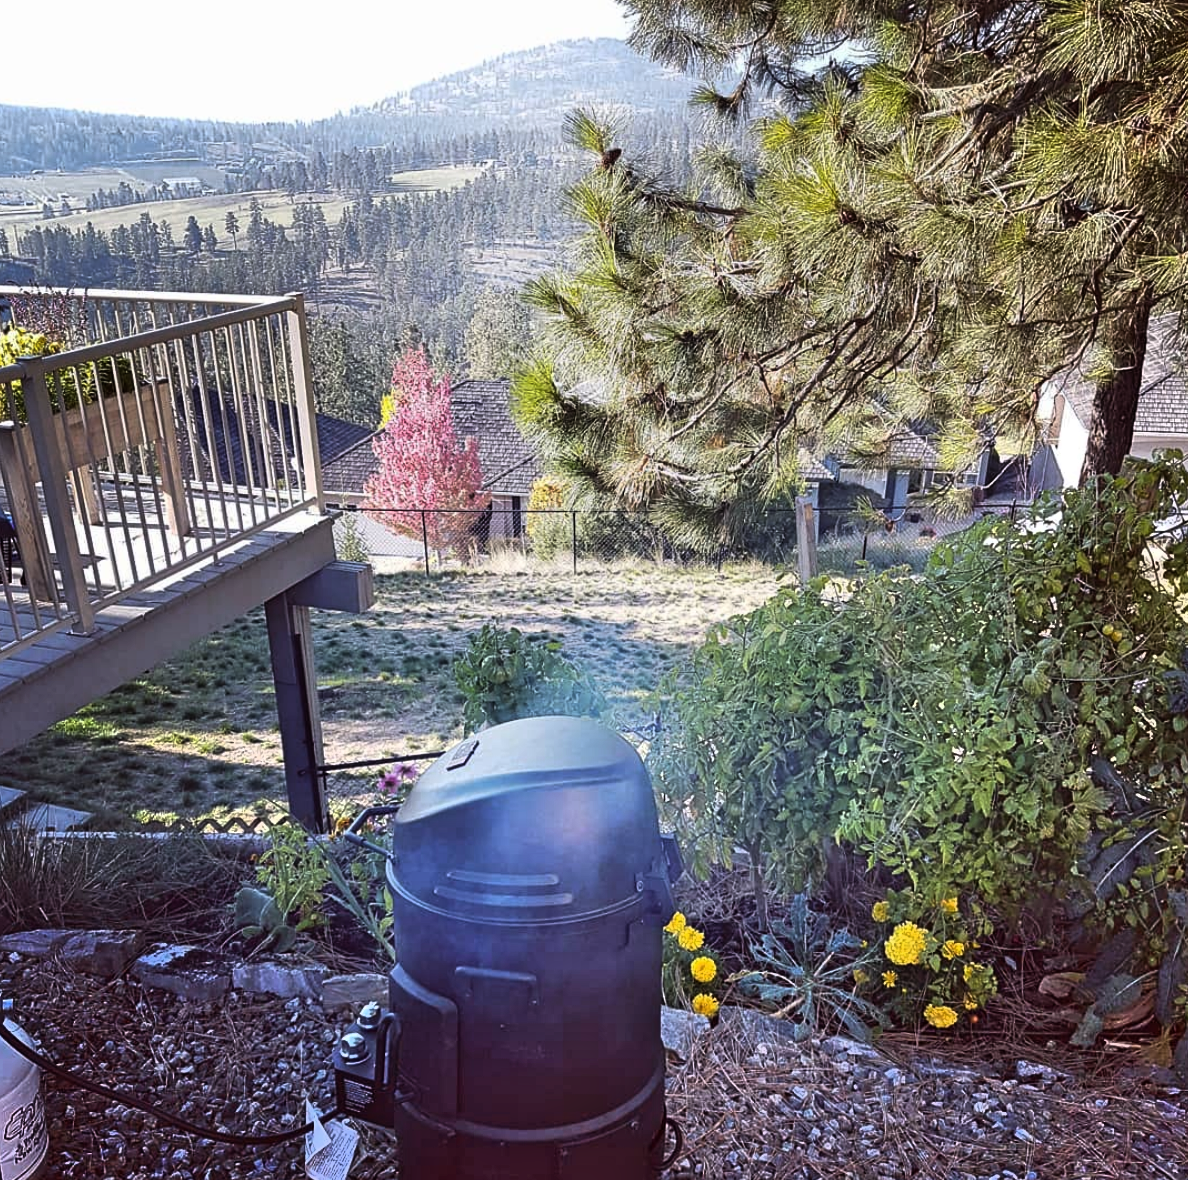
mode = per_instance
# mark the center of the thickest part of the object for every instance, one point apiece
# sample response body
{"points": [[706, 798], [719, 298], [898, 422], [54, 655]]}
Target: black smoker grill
{"points": [[530, 885]]}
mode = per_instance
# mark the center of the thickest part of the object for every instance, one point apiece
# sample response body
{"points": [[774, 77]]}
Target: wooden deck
{"points": [[56, 672]]}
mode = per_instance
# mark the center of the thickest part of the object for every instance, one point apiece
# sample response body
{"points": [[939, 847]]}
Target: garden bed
{"points": [[752, 1104]]}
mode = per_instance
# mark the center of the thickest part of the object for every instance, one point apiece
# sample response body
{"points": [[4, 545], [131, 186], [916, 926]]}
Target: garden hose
{"points": [[50, 1067]]}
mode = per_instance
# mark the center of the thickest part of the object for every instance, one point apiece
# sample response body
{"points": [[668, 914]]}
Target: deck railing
{"points": [[167, 428]]}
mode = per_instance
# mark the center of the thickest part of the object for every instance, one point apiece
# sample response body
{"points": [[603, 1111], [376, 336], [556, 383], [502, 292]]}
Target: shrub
{"points": [[504, 674], [64, 386], [349, 544]]}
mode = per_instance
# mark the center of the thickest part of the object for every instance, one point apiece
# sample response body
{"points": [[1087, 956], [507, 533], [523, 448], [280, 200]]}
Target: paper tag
{"points": [[329, 1150]]}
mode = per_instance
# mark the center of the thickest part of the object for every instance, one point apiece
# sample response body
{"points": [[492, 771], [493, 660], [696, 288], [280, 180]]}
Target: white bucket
{"points": [[23, 1137]]}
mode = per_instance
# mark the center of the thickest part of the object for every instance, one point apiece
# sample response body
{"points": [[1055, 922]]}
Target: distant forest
{"points": [[388, 268]]}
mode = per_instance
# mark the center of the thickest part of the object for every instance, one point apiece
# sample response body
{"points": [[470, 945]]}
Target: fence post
{"points": [[425, 540], [573, 524], [806, 540], [52, 468]]}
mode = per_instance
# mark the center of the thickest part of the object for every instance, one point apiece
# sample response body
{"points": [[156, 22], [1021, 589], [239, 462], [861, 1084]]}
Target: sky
{"points": [[249, 61]]}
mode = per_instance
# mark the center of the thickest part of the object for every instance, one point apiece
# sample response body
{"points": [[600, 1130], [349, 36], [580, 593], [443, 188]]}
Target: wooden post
{"points": [[297, 709], [806, 540], [573, 523], [19, 472], [52, 466], [311, 460]]}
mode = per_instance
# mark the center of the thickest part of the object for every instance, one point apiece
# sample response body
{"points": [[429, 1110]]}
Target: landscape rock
{"points": [[352, 991], [34, 944], [679, 1029], [757, 1027], [186, 971], [287, 981], [106, 953], [845, 1046], [1037, 1074]]}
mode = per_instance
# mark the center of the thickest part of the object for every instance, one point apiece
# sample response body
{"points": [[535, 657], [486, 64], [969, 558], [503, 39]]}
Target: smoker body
{"points": [[529, 887]]}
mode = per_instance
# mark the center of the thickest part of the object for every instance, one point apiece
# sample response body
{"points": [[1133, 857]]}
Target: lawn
{"points": [[209, 210], [197, 736]]}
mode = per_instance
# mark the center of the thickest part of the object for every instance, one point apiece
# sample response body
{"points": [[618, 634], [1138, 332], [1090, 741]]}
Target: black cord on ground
{"points": [[50, 1067]]}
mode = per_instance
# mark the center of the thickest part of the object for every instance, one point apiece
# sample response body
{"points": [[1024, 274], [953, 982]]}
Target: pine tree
{"points": [[428, 478], [498, 334], [975, 198]]}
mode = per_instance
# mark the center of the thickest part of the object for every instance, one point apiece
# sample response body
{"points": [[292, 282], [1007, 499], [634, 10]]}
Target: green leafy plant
{"points": [[812, 974], [65, 386], [349, 544], [291, 874], [504, 674], [257, 915], [361, 890]]}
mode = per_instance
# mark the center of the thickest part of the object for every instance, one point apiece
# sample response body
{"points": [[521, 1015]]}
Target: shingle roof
{"points": [[240, 441], [509, 464], [1163, 399], [905, 446]]}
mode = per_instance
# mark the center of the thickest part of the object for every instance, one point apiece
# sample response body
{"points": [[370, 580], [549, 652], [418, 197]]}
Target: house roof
{"points": [[239, 445], [1163, 399], [509, 464], [906, 446]]}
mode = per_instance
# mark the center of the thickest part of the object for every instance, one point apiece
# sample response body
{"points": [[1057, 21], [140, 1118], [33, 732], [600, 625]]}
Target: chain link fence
{"points": [[569, 540]]}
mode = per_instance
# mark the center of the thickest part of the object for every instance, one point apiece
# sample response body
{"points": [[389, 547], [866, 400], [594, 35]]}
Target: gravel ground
{"points": [[750, 1103]]}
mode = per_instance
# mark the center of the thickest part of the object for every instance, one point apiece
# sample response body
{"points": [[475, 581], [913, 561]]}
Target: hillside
{"points": [[539, 85], [528, 90]]}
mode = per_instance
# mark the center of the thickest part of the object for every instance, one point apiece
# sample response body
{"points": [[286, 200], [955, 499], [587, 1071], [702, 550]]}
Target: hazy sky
{"points": [[253, 60]]}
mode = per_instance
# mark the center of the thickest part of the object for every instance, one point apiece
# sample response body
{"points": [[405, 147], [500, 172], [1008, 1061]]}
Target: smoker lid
{"points": [[552, 752]]}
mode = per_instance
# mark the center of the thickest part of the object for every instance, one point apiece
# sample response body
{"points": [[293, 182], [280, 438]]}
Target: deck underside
{"points": [[56, 673]]}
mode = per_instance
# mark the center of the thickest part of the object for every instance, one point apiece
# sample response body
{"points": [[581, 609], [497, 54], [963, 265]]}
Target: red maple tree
{"points": [[428, 479]]}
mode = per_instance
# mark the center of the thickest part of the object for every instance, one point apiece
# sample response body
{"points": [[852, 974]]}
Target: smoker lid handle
{"points": [[351, 834]]}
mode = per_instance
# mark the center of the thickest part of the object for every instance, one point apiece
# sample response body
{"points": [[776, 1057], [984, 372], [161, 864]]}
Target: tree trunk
{"points": [[1115, 400]]}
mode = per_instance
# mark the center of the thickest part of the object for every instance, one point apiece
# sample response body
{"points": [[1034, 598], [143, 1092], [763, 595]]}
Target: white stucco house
{"points": [[1160, 424]]}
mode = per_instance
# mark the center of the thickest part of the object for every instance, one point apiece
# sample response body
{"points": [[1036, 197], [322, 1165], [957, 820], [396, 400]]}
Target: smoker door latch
{"points": [[672, 856], [656, 884]]}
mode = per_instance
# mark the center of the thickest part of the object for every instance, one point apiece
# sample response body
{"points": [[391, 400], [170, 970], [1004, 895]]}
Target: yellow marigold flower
{"points": [[970, 1003], [677, 924], [953, 949], [690, 939], [940, 1015], [703, 969], [890, 979], [972, 971], [948, 905], [880, 911], [860, 976], [705, 1005], [906, 944]]}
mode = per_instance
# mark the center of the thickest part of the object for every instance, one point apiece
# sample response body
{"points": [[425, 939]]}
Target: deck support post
{"points": [[294, 676]]}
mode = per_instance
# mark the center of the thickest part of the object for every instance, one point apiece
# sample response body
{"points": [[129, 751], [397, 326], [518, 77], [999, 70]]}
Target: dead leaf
{"points": [[1061, 985]]}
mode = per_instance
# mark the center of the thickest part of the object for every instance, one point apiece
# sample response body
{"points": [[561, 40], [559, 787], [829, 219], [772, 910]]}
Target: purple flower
{"points": [[398, 779]]}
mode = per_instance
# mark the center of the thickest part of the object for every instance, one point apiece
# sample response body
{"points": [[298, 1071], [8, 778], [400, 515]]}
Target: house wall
{"points": [[507, 517], [1069, 450], [1145, 445]]}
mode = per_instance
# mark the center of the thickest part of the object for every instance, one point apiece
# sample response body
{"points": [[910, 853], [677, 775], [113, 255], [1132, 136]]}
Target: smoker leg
{"points": [[297, 709]]}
